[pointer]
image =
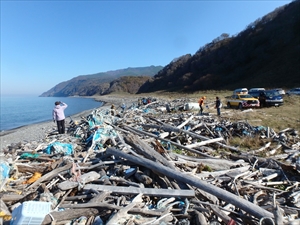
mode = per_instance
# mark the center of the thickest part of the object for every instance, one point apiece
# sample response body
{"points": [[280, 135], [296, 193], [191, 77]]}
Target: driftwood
{"points": [[171, 142], [201, 137], [220, 193], [49, 175], [83, 179], [178, 169], [22, 168], [205, 142], [143, 148], [145, 191], [112, 206], [70, 214], [215, 164], [204, 174]]}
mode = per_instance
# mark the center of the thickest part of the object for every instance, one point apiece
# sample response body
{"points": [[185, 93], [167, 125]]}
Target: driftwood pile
{"points": [[147, 166]]}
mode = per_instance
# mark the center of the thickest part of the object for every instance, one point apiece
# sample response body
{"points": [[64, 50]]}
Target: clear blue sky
{"points": [[44, 43]]}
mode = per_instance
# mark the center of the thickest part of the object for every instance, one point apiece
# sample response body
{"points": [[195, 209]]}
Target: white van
{"points": [[242, 91], [257, 89]]}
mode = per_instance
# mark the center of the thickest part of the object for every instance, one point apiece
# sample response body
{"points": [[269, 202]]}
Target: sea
{"points": [[18, 111]]}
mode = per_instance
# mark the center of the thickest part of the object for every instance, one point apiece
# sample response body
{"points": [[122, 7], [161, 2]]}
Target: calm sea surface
{"points": [[20, 111]]}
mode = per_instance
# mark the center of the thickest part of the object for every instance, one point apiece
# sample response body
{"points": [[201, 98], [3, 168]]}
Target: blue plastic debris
{"points": [[57, 147], [4, 169]]}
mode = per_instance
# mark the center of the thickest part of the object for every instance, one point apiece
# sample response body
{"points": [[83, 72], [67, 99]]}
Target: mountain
{"points": [[265, 54], [103, 83]]}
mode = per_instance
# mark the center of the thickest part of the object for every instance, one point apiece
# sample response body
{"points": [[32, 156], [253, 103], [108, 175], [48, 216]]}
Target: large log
{"points": [[215, 164], [143, 148], [245, 205]]}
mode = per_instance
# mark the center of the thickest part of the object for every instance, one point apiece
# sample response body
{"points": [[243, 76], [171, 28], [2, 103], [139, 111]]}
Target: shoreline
{"points": [[37, 131]]}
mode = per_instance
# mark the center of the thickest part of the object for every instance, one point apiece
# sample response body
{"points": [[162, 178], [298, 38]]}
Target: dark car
{"points": [[294, 91], [268, 97]]}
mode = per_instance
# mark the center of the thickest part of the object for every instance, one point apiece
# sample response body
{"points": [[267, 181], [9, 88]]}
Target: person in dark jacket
{"points": [[218, 106], [59, 116], [262, 99]]}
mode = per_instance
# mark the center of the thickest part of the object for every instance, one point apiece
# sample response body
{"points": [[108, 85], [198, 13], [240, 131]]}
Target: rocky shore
{"points": [[36, 132], [154, 163]]}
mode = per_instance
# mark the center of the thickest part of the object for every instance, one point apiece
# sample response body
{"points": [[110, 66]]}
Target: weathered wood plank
{"points": [[205, 142], [145, 191]]}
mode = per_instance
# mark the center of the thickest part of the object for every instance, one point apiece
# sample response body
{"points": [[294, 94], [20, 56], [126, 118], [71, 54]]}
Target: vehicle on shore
{"points": [[274, 98], [294, 91], [241, 101], [243, 91], [268, 97], [256, 89], [280, 90]]}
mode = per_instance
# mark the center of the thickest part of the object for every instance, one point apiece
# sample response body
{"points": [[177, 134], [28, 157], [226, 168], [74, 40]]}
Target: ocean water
{"points": [[20, 111]]}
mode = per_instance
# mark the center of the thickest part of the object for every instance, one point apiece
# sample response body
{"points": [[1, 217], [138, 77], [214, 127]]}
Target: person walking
{"points": [[218, 106], [201, 104], [59, 116]]}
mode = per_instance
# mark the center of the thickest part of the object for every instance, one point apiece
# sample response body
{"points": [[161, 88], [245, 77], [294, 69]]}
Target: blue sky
{"points": [[44, 43]]}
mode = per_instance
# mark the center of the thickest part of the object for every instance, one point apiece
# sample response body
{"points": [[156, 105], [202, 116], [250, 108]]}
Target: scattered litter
{"points": [[154, 162]]}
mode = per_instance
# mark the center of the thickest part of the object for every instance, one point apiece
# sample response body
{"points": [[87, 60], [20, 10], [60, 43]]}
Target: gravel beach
{"points": [[37, 132]]}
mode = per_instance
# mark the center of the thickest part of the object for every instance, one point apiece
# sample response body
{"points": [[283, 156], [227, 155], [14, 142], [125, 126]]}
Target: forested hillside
{"points": [[102, 83], [265, 54]]}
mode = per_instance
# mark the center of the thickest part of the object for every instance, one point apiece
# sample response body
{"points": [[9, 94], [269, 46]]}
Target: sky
{"points": [[44, 43]]}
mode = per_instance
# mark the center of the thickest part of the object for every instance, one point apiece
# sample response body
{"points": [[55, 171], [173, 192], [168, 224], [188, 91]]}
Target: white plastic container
{"points": [[30, 213]]}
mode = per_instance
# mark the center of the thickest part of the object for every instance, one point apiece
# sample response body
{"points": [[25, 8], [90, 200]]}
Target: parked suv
{"points": [[268, 97], [294, 91], [257, 89], [280, 90]]}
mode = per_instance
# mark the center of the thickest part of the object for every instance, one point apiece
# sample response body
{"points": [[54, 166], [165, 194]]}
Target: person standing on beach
{"points": [[218, 106], [59, 116], [201, 104]]}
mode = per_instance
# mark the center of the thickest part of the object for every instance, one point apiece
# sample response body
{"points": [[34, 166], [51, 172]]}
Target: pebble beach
{"points": [[115, 151], [37, 132]]}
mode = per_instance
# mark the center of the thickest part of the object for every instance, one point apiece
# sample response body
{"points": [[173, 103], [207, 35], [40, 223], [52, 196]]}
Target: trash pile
{"points": [[150, 165]]}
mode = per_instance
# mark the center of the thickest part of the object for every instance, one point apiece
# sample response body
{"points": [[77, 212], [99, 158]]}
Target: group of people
{"points": [[218, 105], [59, 115], [144, 101]]}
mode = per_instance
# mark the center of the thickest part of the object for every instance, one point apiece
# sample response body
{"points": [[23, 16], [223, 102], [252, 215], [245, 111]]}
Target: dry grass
{"points": [[277, 118]]}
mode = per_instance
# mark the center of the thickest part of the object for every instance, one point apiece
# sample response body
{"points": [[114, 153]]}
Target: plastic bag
{"points": [[57, 147], [4, 169]]}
